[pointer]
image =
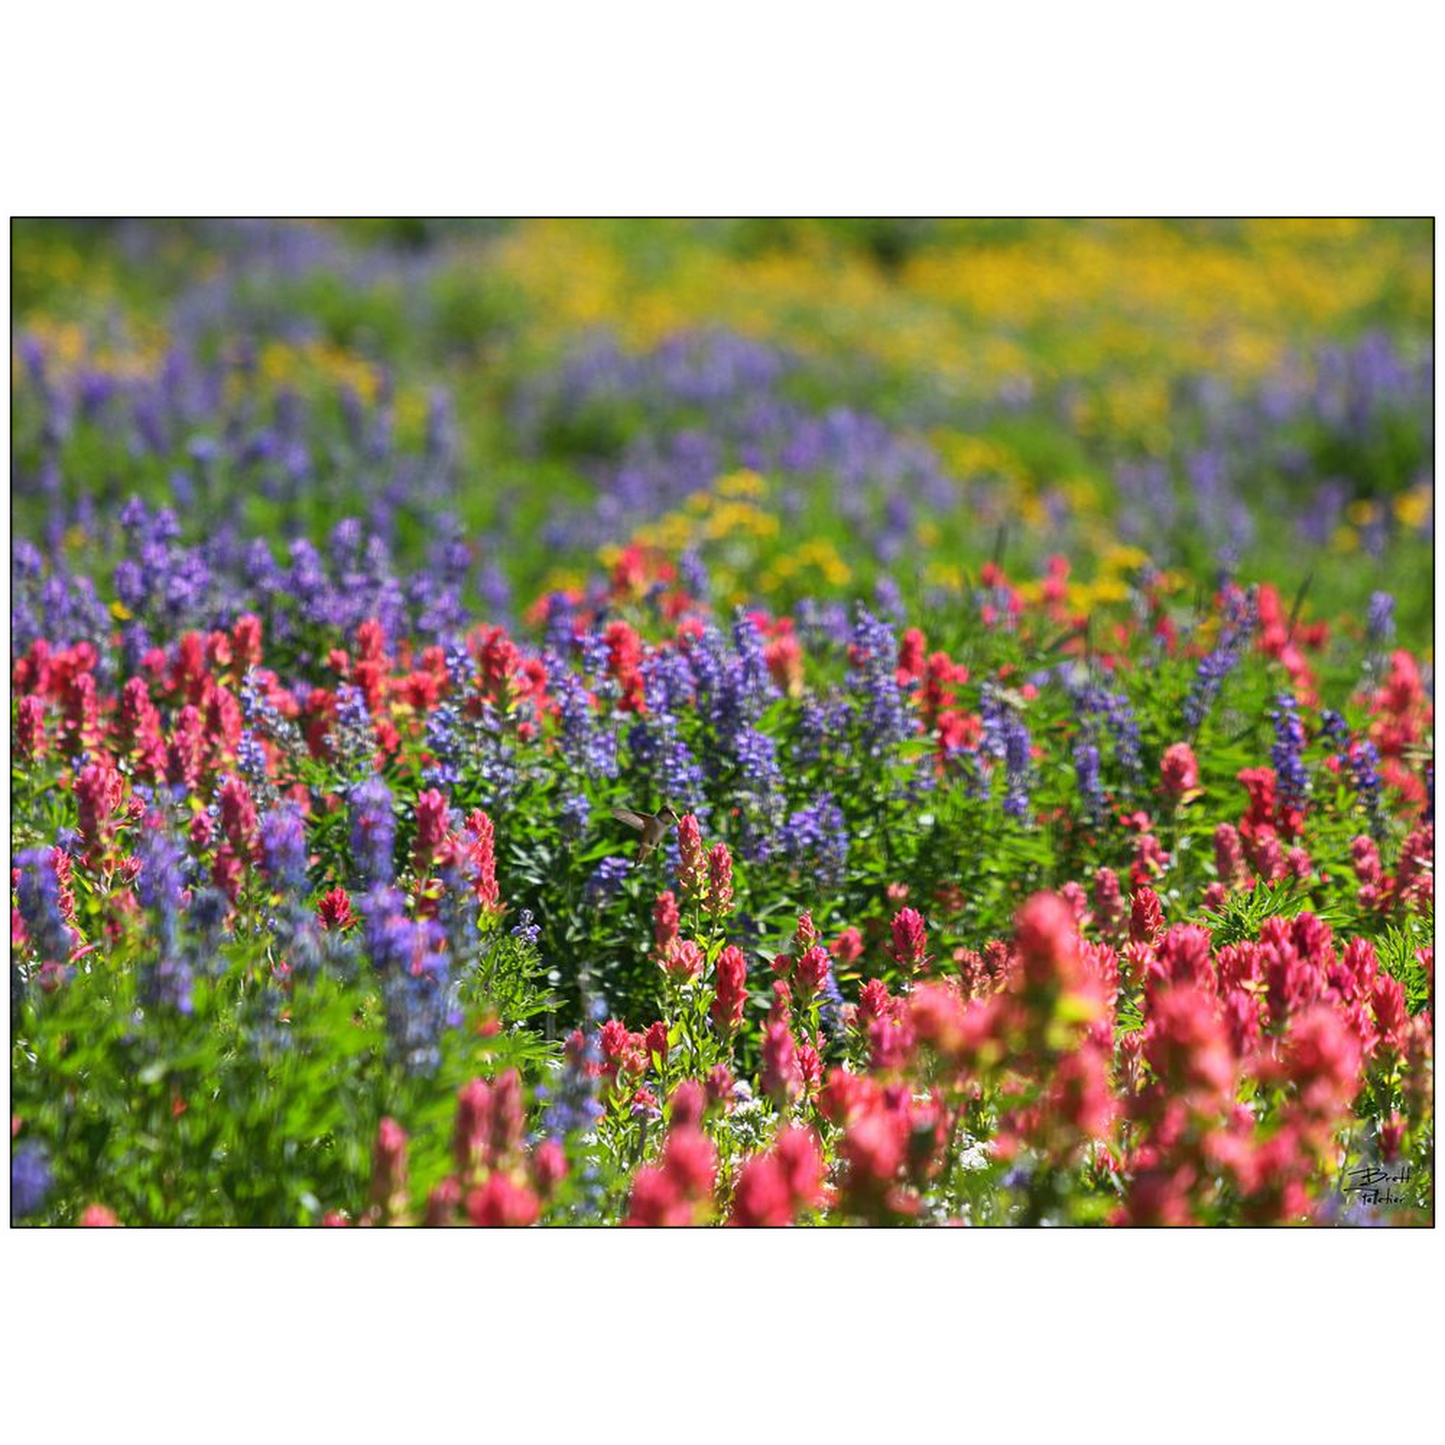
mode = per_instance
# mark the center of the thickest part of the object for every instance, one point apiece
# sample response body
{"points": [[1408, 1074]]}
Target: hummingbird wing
{"points": [[633, 820]]}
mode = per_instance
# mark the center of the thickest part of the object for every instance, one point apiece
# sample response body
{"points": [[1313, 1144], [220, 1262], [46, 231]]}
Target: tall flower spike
{"points": [[691, 864]]}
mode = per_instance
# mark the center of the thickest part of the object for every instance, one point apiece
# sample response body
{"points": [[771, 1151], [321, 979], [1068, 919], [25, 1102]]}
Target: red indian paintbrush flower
{"points": [[334, 910], [238, 814], [1187, 1044], [687, 1105], [719, 1086], [732, 989], [910, 940], [1146, 922], [1047, 939], [502, 1203], [664, 923], [678, 1189], [774, 1188], [691, 863], [719, 880], [479, 841], [1229, 856], [781, 1075], [684, 962], [30, 727], [472, 1128], [873, 1001], [811, 973], [98, 792], [442, 1204], [549, 1166], [1180, 772], [1108, 903], [431, 829], [388, 1180]]}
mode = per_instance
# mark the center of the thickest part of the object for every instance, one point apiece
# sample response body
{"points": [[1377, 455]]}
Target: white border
{"points": [[754, 108]]}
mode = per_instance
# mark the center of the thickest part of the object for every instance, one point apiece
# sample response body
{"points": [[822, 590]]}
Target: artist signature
{"points": [[1376, 1184]]}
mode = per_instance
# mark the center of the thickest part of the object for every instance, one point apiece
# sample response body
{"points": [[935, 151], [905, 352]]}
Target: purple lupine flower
{"points": [[1091, 700], [733, 686], [352, 739], [440, 427], [343, 546], [757, 759], [207, 914], [373, 832], [438, 610], [38, 897], [1364, 759], [262, 715], [606, 880], [590, 748], [26, 563], [573, 813], [378, 907], [680, 777], [654, 739], [880, 706], [1086, 771], [756, 680], [694, 575], [645, 742], [131, 583], [410, 958], [1151, 505], [1337, 730], [166, 976], [30, 1180], [977, 782], [251, 764], [572, 1106], [418, 1005], [1123, 726], [886, 593], [495, 592], [560, 625], [821, 720], [493, 757], [461, 667], [444, 742], [136, 641], [283, 850], [1358, 762], [830, 1005], [823, 624], [1291, 777], [1241, 615], [1005, 737], [816, 838], [1380, 619], [1319, 522], [526, 928], [594, 650], [158, 884], [459, 913]]}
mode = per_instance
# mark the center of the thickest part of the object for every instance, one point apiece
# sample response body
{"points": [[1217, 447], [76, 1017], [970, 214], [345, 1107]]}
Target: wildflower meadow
{"points": [[722, 723]]}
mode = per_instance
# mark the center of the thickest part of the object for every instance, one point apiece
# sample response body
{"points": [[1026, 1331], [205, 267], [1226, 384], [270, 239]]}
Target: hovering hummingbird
{"points": [[652, 826]]}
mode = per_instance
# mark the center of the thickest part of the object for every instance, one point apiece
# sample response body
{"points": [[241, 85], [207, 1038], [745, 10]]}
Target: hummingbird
{"points": [[652, 826]]}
